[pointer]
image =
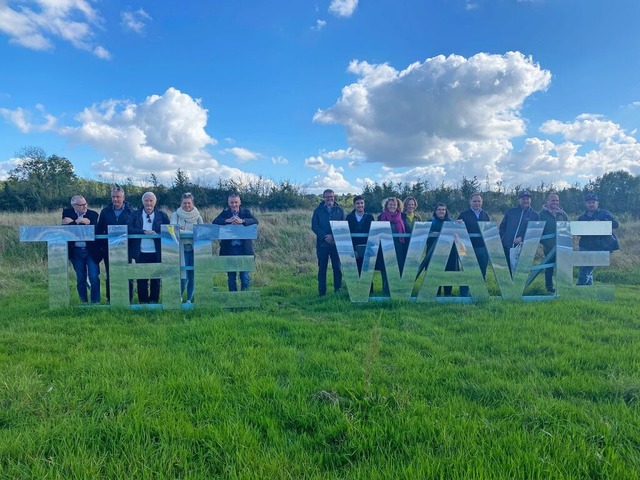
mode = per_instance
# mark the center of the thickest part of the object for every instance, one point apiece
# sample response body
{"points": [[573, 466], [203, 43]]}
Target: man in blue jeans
{"points": [[85, 256], [591, 243], [325, 244], [234, 215]]}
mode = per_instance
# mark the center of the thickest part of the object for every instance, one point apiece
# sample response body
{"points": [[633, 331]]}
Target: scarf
{"points": [[187, 219], [396, 219]]}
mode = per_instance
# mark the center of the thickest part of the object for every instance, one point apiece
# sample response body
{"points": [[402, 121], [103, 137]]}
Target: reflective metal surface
{"points": [[206, 264], [121, 271], [57, 237], [511, 285], [567, 258], [468, 273]]}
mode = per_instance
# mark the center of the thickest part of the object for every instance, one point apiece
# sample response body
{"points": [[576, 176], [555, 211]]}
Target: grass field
{"points": [[316, 388]]}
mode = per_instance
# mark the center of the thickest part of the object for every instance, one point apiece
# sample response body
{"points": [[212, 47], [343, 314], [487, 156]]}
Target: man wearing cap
{"points": [[595, 242], [514, 223]]}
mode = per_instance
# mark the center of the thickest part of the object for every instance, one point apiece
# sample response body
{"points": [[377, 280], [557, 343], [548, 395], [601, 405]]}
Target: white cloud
{"points": [[449, 112], [330, 177], [159, 135], [24, 120], [242, 154], [586, 128], [279, 161], [320, 24], [542, 160], [135, 21], [343, 8], [34, 24], [6, 167], [344, 153]]}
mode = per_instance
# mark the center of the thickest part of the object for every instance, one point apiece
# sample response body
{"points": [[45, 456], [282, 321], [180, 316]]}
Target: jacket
{"points": [[361, 227], [320, 222], [108, 217], [134, 227], [249, 219], [514, 224], [607, 243], [471, 222], [550, 227], [92, 247]]}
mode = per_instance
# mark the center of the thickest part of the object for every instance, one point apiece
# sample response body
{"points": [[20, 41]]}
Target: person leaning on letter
{"points": [[85, 256]]}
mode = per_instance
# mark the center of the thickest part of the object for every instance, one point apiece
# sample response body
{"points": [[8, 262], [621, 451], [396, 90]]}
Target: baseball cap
{"points": [[524, 193]]}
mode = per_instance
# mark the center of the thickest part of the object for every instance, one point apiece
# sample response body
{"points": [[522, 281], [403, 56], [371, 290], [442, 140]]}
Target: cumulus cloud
{"points": [[344, 153], [279, 161], [343, 8], [329, 177], [27, 121], [541, 160], [159, 135], [449, 112], [6, 167], [242, 154], [134, 21], [34, 24]]}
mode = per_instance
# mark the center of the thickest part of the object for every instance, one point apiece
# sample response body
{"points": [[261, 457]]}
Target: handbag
{"points": [[514, 255]]}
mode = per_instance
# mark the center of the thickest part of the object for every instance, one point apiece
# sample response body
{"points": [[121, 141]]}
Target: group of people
{"points": [[402, 217], [148, 220]]}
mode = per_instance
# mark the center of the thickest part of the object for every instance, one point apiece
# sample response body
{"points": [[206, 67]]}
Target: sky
{"points": [[324, 94]]}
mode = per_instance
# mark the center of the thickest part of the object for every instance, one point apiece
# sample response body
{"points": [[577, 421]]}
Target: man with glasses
{"points": [[325, 244], [85, 256], [147, 221], [117, 212]]}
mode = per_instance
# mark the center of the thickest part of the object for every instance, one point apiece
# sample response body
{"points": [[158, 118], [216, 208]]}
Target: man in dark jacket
{"points": [[551, 213], [514, 224], [147, 221], [234, 215], [471, 217], [595, 242], [359, 223], [117, 212], [325, 244], [84, 256]]}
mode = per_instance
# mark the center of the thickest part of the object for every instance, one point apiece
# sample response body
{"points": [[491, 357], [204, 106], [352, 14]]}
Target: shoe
{"points": [[551, 290]]}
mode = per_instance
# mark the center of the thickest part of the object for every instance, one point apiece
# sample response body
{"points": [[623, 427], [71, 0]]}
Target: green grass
{"points": [[308, 387]]}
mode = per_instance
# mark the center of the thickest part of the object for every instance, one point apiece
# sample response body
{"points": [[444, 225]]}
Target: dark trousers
{"points": [[548, 273], [232, 277], [146, 294], [324, 254], [84, 267], [482, 254], [105, 259]]}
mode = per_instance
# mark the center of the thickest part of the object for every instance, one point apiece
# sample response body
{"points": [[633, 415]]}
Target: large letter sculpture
{"points": [[57, 238], [205, 263]]}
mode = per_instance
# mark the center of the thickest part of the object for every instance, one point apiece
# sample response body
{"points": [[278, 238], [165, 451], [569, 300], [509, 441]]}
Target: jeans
{"points": [[585, 274], [83, 264], [324, 253], [232, 281], [146, 294], [189, 281]]}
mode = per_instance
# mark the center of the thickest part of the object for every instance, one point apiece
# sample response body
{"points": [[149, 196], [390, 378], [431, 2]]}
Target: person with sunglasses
{"points": [[147, 221]]}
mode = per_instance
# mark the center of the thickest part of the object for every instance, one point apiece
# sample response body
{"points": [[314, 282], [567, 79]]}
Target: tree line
{"points": [[47, 182]]}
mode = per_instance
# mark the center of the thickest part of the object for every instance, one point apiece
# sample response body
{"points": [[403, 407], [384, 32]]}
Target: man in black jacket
{"points": [[117, 212], [234, 215], [147, 221], [325, 244], [359, 223], [514, 224], [471, 218], [84, 256]]}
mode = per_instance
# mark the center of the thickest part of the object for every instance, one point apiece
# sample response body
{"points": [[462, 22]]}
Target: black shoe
{"points": [[551, 290]]}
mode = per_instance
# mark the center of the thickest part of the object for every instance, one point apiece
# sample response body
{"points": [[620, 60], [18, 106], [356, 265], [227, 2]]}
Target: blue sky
{"points": [[332, 93]]}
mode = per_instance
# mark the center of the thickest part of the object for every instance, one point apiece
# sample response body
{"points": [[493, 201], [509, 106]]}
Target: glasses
{"points": [[148, 217], [187, 195], [80, 204]]}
